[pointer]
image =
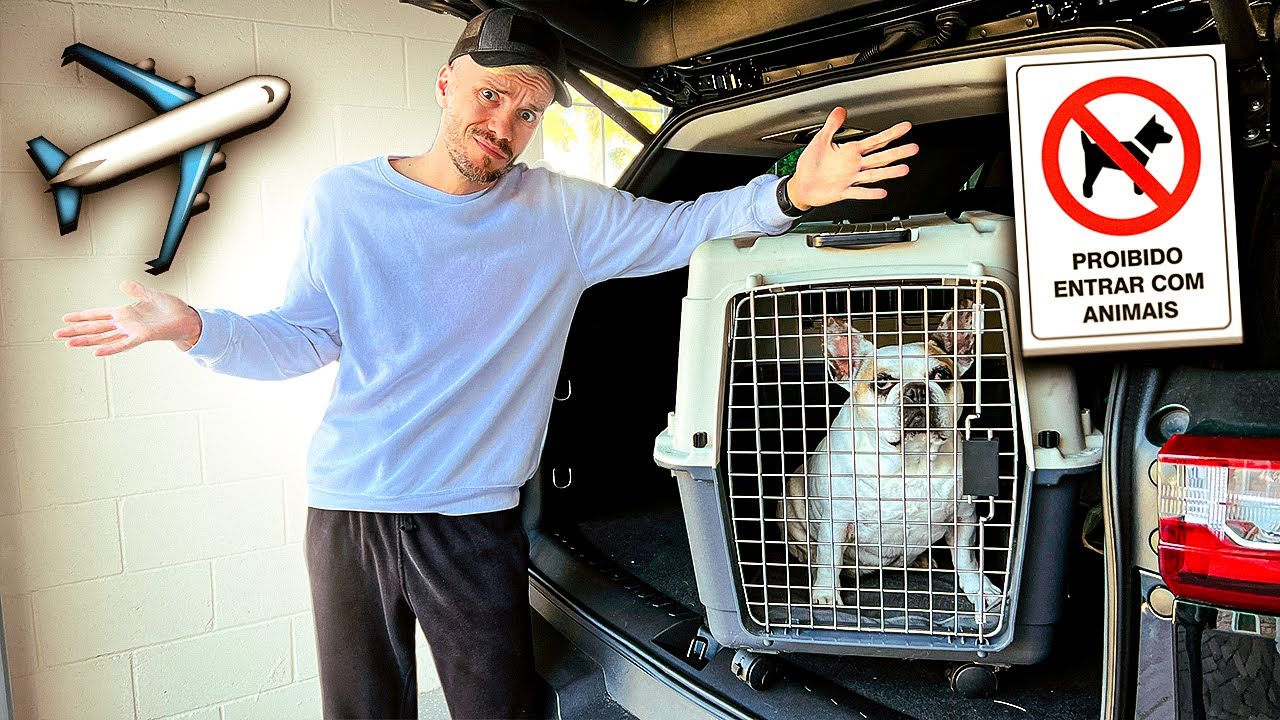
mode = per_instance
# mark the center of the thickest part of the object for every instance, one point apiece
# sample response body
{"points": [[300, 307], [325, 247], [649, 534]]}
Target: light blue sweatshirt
{"points": [[448, 316]]}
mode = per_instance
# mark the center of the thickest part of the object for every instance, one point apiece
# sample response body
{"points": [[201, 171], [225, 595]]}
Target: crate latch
{"points": [[980, 476]]}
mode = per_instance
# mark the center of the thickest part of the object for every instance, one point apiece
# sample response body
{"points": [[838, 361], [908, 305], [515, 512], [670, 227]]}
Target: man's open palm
{"points": [[827, 172], [155, 315]]}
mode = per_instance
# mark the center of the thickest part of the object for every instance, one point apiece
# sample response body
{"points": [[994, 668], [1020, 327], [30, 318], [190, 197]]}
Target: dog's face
{"points": [[907, 394]]}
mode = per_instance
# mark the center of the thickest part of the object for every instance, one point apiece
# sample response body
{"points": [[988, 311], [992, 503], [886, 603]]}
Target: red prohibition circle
{"points": [[1167, 205]]}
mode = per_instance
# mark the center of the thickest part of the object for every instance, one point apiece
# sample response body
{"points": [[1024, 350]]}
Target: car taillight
{"points": [[1220, 520]]}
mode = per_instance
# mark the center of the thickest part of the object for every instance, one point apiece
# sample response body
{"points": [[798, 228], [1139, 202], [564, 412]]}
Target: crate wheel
{"points": [[758, 671], [974, 681]]}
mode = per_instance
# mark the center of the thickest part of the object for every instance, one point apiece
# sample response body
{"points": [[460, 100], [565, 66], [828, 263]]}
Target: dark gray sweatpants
{"points": [[463, 578]]}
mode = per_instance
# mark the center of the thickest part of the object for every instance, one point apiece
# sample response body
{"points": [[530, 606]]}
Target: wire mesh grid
{"points": [[849, 412]]}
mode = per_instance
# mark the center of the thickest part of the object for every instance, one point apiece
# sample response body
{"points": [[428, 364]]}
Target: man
{"points": [[446, 282]]}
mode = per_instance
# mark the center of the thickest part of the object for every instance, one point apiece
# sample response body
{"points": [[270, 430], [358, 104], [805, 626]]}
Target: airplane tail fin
{"points": [[66, 200]]}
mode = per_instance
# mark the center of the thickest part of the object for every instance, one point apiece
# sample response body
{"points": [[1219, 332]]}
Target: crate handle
{"points": [[861, 236]]}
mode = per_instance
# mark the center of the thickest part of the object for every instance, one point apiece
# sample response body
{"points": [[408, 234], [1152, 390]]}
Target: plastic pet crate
{"points": [[866, 463]]}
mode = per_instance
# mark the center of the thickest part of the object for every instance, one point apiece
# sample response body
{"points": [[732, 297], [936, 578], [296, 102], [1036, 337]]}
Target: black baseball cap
{"points": [[505, 36]]}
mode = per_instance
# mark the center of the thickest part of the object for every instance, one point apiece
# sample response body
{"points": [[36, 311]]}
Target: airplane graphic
{"points": [[188, 125]]}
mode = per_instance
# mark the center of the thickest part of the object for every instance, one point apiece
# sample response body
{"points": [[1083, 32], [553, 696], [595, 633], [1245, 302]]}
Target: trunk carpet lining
{"points": [[650, 542]]}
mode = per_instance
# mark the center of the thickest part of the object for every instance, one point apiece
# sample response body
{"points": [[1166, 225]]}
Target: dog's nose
{"points": [[913, 411], [914, 393]]}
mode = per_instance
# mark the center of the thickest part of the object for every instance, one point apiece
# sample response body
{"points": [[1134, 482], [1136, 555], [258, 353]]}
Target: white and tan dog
{"points": [[891, 452]]}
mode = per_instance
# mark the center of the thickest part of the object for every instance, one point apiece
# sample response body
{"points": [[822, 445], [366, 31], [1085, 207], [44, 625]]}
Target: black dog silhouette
{"points": [[1151, 135]]}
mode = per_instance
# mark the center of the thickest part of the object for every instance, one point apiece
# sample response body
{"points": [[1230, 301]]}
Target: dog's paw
{"points": [[990, 590], [824, 596], [985, 599], [990, 603]]}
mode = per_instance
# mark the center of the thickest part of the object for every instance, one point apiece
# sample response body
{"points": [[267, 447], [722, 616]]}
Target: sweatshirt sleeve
{"points": [[296, 338], [615, 234]]}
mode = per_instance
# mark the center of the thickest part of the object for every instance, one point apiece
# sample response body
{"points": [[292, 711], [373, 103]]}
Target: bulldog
{"points": [[880, 488]]}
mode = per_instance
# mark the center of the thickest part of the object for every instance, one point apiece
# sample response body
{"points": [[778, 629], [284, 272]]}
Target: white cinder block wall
{"points": [[152, 512]]}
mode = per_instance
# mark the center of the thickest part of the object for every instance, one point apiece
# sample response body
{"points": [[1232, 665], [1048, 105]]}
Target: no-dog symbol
{"points": [[1106, 151], [1123, 197]]}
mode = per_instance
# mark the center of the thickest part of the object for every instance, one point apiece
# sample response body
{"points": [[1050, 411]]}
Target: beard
{"points": [[456, 140]]}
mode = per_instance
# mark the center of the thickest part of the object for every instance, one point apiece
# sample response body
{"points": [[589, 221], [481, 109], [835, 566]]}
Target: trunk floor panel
{"points": [[650, 542]]}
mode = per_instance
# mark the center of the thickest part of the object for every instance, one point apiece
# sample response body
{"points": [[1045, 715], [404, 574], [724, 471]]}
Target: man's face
{"points": [[489, 117]]}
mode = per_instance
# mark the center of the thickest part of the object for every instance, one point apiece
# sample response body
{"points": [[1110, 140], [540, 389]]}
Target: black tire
{"points": [[974, 681], [1240, 677], [757, 671]]}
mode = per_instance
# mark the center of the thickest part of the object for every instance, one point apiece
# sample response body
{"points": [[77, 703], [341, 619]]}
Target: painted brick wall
{"points": [[151, 512]]}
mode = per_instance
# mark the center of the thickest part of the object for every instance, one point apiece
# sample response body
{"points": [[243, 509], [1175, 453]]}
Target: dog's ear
{"points": [[955, 336], [846, 348]]}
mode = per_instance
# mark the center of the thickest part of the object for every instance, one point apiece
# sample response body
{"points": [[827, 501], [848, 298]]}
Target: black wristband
{"points": [[784, 200]]}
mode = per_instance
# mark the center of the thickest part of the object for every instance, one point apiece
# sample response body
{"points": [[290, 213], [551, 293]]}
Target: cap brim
{"points": [[500, 58]]}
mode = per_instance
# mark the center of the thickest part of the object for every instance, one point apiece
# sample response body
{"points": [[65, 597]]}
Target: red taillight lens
{"points": [[1220, 520]]}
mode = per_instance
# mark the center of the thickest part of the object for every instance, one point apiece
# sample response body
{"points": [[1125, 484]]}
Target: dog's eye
{"points": [[940, 373], [884, 384]]}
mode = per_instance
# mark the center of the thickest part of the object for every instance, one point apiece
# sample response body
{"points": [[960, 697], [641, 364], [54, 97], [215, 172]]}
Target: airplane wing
{"points": [[194, 168], [162, 95]]}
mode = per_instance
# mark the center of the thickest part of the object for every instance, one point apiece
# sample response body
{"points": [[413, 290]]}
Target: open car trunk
{"points": [[610, 538]]}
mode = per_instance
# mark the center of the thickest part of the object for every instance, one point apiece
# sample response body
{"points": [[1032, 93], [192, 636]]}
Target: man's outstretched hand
{"points": [[155, 316], [827, 172]]}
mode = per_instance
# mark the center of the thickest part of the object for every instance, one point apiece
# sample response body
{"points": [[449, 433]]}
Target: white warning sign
{"points": [[1123, 197]]}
